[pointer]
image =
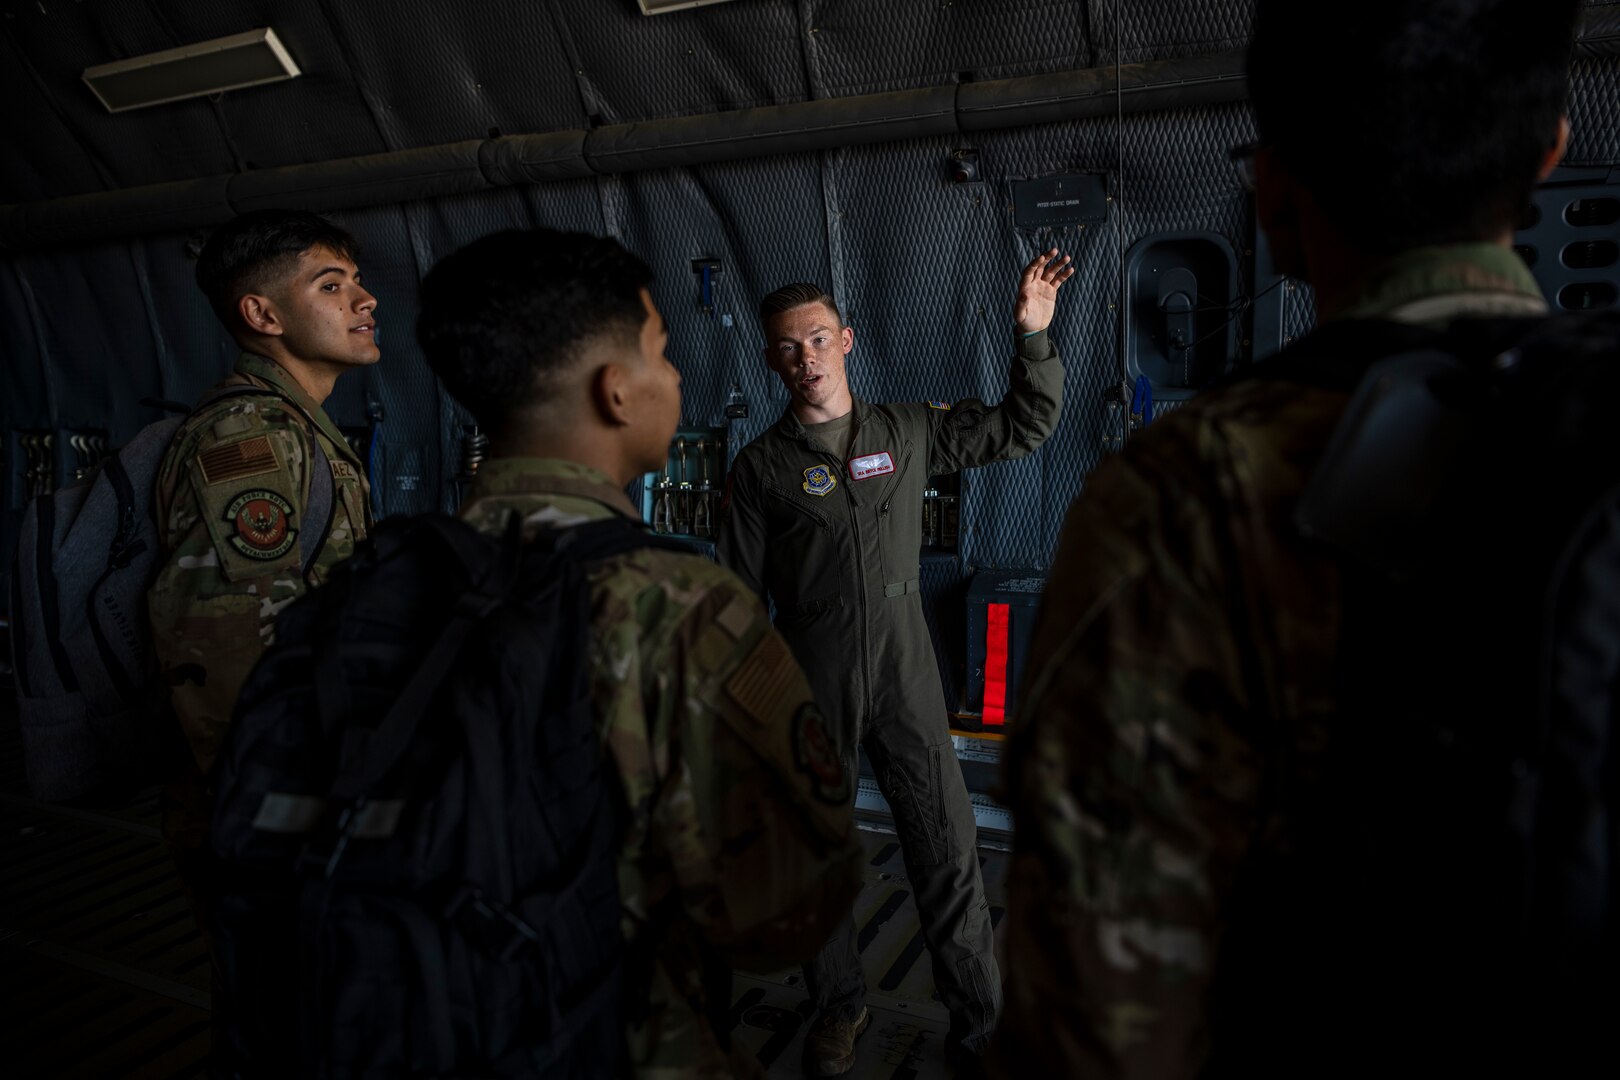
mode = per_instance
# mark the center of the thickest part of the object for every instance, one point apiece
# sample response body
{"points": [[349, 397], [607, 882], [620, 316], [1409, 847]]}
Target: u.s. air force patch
{"points": [[817, 757], [819, 480], [262, 522]]}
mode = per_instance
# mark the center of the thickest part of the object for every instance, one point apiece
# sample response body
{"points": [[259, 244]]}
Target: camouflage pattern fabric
{"points": [[1187, 627], [230, 498], [740, 848]]}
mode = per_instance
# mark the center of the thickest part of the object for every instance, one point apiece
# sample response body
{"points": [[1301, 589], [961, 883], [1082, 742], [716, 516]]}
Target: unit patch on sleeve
{"points": [[819, 480], [869, 465], [238, 460], [342, 470], [262, 522], [817, 757]]}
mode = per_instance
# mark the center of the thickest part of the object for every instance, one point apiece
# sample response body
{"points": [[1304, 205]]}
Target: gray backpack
{"points": [[89, 700]]}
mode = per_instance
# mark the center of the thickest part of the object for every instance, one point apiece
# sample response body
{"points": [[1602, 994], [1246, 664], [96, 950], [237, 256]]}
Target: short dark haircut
{"points": [[1417, 121], [248, 253], [505, 315], [798, 294]]}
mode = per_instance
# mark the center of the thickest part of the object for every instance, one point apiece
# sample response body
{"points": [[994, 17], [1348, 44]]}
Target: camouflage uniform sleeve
{"points": [[755, 815], [971, 433], [1133, 779], [232, 493]]}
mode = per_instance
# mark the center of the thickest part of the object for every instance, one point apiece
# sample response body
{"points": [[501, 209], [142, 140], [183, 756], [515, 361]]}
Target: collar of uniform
{"points": [[549, 476], [275, 377], [791, 426], [1470, 273]]}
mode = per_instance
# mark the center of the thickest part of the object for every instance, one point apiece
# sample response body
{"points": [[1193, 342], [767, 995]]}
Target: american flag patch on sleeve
{"points": [[233, 461]]}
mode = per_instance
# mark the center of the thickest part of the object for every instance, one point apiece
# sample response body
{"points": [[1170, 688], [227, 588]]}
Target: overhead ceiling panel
{"points": [[55, 42], [42, 160], [859, 47], [319, 116], [733, 56], [435, 72]]}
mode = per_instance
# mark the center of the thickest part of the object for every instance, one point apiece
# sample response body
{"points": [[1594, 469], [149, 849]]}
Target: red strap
{"points": [[995, 665]]}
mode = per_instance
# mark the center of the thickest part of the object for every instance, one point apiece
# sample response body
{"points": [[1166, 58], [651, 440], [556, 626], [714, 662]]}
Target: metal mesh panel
{"points": [[857, 47], [436, 73], [320, 115], [42, 159], [56, 42], [1168, 29], [634, 68], [944, 331], [764, 221], [1594, 112]]}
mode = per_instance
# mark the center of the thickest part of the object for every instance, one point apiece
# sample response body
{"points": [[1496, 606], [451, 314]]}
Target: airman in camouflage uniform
{"points": [[234, 490], [739, 849], [1185, 673], [230, 499]]}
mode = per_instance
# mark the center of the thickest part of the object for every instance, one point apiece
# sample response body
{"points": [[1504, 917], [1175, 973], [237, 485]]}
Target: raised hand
{"points": [[1037, 290]]}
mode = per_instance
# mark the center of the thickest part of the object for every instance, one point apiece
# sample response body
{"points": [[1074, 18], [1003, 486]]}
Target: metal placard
{"points": [[1060, 200]]}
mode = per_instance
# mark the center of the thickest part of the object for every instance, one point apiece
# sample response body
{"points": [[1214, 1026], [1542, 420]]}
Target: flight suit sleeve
{"points": [[1134, 784], [231, 523], [756, 815], [972, 433], [741, 545]]}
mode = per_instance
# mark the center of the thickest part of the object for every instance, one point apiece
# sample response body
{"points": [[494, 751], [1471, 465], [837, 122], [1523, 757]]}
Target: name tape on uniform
{"points": [[869, 465]]}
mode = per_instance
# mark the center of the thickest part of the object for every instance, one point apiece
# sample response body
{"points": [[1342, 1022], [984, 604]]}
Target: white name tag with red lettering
{"points": [[869, 465]]}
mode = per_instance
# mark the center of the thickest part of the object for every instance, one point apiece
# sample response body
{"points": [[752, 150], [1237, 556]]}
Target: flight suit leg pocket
{"points": [[917, 797]]}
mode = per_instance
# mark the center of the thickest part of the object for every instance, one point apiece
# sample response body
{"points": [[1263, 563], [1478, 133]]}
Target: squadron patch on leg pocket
{"points": [[262, 520], [817, 757]]}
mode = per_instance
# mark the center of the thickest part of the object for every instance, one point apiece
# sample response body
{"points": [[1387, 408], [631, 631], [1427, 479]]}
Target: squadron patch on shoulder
{"points": [[239, 460], [939, 405], [817, 757], [263, 524], [819, 480]]}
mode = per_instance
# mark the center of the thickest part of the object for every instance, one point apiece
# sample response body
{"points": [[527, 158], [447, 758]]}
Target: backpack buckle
{"points": [[488, 924], [347, 821]]}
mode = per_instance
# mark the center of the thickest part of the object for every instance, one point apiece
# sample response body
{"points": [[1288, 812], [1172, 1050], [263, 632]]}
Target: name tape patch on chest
{"points": [[869, 465]]}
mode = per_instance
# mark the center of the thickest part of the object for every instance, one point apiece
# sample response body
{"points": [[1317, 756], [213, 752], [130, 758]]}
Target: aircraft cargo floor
{"points": [[103, 974]]}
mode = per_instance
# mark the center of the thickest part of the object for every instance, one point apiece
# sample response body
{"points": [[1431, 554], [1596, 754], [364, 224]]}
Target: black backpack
{"points": [[1448, 897], [90, 704], [415, 819]]}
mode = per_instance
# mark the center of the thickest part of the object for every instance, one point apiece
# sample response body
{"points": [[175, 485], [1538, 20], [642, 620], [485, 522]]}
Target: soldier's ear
{"points": [[610, 394], [259, 315], [848, 335]]}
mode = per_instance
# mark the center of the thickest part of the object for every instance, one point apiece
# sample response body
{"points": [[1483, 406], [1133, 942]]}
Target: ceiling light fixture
{"points": [[208, 67], [664, 7]]}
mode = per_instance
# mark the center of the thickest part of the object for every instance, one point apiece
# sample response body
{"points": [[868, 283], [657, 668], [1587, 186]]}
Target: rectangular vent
{"points": [[208, 67]]}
